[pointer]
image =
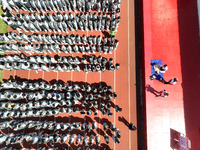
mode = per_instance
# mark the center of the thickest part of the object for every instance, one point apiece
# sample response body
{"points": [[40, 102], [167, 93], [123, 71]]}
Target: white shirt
{"points": [[3, 138], [7, 85]]}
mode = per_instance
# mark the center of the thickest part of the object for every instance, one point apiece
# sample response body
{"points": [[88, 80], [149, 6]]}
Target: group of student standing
{"points": [[42, 27], [45, 99]]}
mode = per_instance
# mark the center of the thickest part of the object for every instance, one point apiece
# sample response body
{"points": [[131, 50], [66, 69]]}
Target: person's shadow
{"points": [[151, 90], [122, 119], [105, 33]]}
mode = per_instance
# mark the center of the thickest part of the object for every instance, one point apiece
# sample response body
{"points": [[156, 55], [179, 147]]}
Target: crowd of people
{"points": [[41, 19], [56, 43], [40, 27], [14, 37], [57, 22], [45, 99], [53, 138], [17, 125], [62, 5], [34, 138], [60, 97], [89, 63]]}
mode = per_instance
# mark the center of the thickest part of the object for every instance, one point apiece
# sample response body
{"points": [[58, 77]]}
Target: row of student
{"points": [[51, 112], [19, 83], [55, 111], [59, 17], [37, 59], [101, 20], [61, 5], [103, 107], [35, 138], [56, 67], [55, 95], [56, 48], [18, 23], [60, 39], [17, 125], [54, 104]]}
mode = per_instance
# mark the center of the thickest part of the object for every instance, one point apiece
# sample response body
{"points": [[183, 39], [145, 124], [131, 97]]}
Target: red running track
{"points": [[122, 80]]}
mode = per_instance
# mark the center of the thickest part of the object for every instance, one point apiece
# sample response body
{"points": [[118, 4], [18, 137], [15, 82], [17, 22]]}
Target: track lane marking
{"points": [[129, 91]]}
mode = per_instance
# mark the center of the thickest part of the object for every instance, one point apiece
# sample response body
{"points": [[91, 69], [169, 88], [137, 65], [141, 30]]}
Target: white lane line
{"points": [[129, 88], [43, 75], [114, 91], [100, 77], [15, 73], [71, 76], [29, 72]]}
